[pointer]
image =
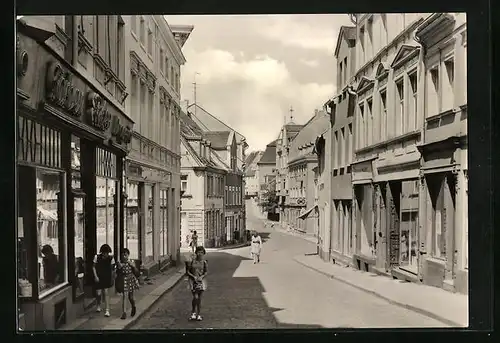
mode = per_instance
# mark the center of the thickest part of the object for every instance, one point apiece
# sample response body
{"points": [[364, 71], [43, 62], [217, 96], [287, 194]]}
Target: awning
{"points": [[306, 213]]}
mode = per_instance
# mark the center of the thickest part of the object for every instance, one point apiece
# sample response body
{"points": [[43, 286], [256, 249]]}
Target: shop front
{"points": [[362, 214], [71, 144], [444, 194], [149, 215], [396, 216]]}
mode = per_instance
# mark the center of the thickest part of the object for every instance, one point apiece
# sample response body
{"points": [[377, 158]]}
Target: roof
{"points": [[249, 159], [188, 126], [269, 156], [209, 122], [217, 138], [292, 130], [316, 126], [346, 32]]}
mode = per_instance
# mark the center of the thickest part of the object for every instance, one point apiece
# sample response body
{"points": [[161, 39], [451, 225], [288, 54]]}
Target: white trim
{"points": [[52, 290]]}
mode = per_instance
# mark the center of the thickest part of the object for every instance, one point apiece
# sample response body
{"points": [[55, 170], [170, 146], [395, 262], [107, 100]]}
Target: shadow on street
{"points": [[229, 302]]}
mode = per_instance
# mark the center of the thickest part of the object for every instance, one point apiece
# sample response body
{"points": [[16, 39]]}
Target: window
{"points": [[226, 189], [143, 31], [133, 23], [342, 147], [41, 204], [132, 219], [362, 45], [349, 145], [448, 85], [150, 42], [434, 96], [172, 75], [105, 208], [79, 217], [400, 108], [151, 126], [413, 115], [149, 193], [345, 71], [336, 154], [385, 32], [361, 126], [370, 127], [383, 114], [143, 119], [369, 28], [164, 222], [341, 75], [184, 183], [120, 49], [166, 69], [134, 98], [162, 62]]}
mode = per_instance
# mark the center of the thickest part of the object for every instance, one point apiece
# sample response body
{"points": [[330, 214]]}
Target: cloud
{"points": [[252, 96], [309, 63], [291, 31]]}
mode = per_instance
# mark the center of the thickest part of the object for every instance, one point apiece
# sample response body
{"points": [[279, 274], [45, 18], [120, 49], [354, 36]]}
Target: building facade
{"points": [[443, 191], [285, 137], [154, 56], [73, 134], [339, 241], [266, 168], [223, 144], [302, 210], [251, 179], [202, 185]]}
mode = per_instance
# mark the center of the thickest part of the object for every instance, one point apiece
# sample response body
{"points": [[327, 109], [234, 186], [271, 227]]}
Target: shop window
{"points": [[149, 189], [408, 239], [105, 205], [41, 231], [132, 219], [164, 222]]}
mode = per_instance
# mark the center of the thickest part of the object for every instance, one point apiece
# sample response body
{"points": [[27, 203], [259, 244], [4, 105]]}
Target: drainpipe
{"points": [[74, 42]]}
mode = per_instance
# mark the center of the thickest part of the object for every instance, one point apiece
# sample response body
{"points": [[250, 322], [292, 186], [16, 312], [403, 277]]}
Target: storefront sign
{"points": [[99, 116], [122, 134], [62, 92]]}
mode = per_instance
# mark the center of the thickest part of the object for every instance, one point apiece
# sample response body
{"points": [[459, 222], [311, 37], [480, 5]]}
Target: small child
{"points": [[126, 282], [197, 271], [103, 268]]}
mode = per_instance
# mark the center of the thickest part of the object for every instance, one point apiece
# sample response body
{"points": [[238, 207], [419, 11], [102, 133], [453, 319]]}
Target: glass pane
{"points": [[102, 211], [414, 238], [149, 223], [51, 239], [79, 220], [405, 238], [132, 220], [111, 186]]}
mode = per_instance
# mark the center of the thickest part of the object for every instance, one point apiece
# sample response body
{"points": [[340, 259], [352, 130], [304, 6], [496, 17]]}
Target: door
{"points": [[393, 196]]}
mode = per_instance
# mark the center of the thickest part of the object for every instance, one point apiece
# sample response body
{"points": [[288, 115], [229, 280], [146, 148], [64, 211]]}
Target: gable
{"points": [[189, 158], [405, 52], [345, 35], [381, 70], [364, 83]]}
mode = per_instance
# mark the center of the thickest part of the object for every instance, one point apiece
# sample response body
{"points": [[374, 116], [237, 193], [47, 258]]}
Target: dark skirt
{"points": [[105, 282]]}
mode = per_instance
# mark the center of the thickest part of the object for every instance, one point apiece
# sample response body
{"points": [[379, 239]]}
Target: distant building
{"points": [[251, 179], [287, 133], [266, 168]]}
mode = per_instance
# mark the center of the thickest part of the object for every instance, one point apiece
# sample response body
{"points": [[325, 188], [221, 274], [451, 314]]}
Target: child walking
{"points": [[103, 268], [197, 271], [126, 282]]}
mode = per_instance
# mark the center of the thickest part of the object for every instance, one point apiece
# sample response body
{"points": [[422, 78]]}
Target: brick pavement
{"points": [[450, 308]]}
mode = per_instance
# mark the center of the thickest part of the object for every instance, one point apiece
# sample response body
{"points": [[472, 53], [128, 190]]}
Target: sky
{"points": [[250, 70]]}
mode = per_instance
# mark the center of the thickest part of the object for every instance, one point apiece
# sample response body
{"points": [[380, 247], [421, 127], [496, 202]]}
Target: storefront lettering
{"points": [[123, 134], [61, 91], [99, 116]]}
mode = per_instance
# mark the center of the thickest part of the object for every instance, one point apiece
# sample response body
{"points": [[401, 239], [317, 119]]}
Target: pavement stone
{"points": [[450, 308]]}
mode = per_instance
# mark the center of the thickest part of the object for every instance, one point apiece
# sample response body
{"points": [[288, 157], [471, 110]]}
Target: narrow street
{"points": [[277, 293]]}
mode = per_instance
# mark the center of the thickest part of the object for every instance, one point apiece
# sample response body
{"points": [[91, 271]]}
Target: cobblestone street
{"points": [[277, 293]]}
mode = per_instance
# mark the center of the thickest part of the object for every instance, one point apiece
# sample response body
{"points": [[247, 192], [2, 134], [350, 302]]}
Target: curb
{"points": [[389, 300], [148, 307]]}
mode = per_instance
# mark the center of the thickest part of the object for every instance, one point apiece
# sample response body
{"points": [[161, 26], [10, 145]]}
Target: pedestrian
{"points": [[256, 247], [197, 271], [104, 266], [126, 282], [194, 242]]}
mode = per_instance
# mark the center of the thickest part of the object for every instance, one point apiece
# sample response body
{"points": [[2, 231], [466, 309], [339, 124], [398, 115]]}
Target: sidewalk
{"points": [[447, 307], [145, 297]]}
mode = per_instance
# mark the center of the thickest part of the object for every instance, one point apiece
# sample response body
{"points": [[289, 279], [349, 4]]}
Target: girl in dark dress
{"points": [[103, 268], [50, 266], [197, 271], [126, 282]]}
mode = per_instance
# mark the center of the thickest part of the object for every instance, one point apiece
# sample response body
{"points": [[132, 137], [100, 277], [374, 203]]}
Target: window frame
{"points": [[400, 104]]}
